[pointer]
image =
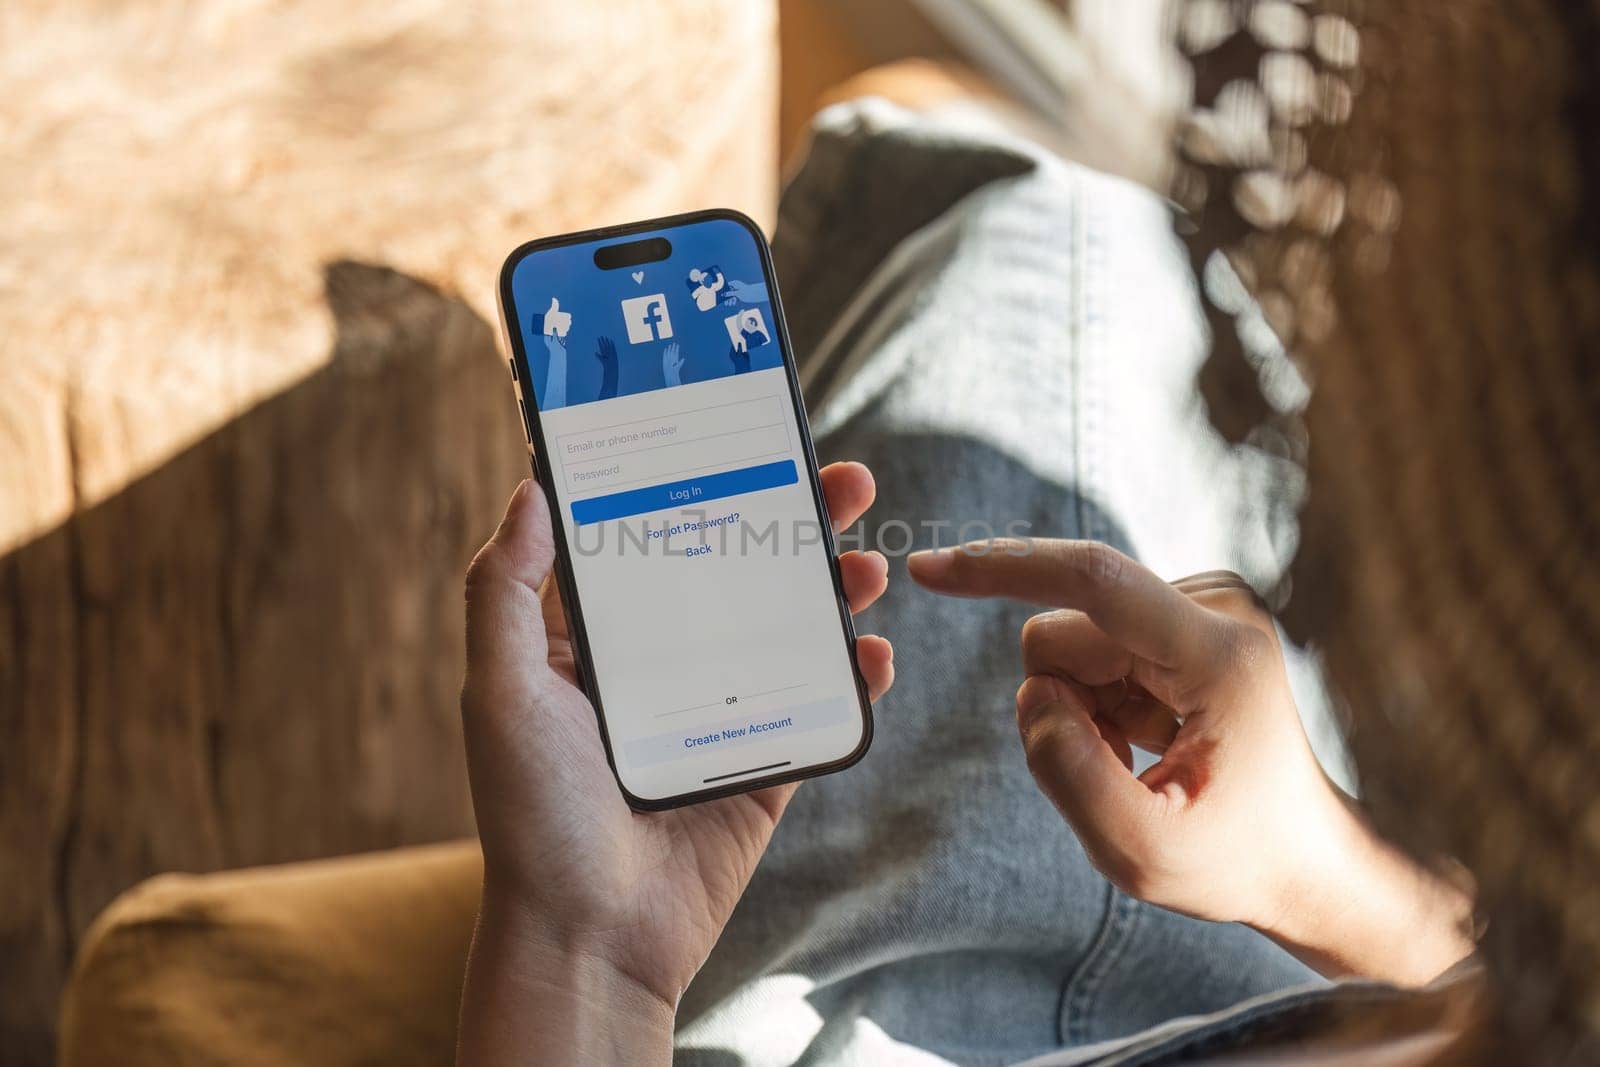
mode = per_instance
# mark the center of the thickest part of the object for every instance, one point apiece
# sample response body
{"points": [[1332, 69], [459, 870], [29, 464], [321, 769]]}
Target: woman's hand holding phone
{"points": [[594, 917], [1237, 821]]}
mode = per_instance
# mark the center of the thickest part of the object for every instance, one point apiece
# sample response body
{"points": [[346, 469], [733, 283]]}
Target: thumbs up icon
{"points": [[556, 321]]}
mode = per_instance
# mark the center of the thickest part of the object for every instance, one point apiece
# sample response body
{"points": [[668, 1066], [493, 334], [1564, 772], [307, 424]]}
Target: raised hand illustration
{"points": [[554, 394], [672, 364], [740, 358], [606, 353], [744, 293]]}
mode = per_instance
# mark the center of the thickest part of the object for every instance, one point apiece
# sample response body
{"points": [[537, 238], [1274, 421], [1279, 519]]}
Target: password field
{"points": [[648, 463]]}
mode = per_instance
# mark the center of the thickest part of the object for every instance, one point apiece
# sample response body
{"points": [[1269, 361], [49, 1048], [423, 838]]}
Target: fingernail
{"points": [[1038, 691], [519, 499], [931, 563]]}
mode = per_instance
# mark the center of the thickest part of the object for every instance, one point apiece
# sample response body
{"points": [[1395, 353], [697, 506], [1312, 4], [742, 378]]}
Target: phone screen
{"points": [[699, 577]]}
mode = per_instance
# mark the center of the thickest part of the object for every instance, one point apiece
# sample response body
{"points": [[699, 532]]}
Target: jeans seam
{"points": [[1222, 1035], [1082, 987], [1075, 357], [1091, 259]]}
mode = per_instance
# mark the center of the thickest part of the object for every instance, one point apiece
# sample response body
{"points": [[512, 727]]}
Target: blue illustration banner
{"points": [[703, 312]]}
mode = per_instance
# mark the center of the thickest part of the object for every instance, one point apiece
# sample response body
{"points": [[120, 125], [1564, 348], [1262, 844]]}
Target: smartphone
{"points": [[694, 552]]}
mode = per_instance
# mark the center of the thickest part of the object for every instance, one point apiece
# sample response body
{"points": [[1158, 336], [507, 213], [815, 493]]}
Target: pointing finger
{"points": [[1124, 599]]}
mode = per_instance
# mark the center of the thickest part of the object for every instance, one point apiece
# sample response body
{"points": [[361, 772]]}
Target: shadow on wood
{"points": [[253, 653]]}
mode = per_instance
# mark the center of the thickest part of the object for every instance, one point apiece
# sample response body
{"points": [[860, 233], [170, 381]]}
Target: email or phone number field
{"points": [[667, 446]]}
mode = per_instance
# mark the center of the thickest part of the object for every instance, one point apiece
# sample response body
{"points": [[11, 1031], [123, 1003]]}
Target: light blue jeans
{"points": [[1006, 339]]}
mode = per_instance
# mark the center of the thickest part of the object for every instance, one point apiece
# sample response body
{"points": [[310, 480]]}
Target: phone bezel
{"points": [[566, 577]]}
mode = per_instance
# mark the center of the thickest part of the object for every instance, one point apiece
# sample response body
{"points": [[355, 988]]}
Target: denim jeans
{"points": [[1010, 342]]}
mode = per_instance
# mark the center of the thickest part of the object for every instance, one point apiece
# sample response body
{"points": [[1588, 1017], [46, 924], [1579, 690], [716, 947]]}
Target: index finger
{"points": [[1125, 599], [849, 490]]}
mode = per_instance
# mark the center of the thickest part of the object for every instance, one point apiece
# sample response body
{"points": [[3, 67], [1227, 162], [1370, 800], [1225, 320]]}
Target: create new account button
{"points": [[733, 733], [685, 492]]}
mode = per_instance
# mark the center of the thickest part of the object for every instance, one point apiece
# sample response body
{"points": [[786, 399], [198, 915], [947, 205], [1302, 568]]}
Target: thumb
{"points": [[506, 642], [1111, 811], [555, 306]]}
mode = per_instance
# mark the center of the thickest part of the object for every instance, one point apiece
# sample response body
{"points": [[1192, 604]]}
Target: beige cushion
{"points": [[356, 960]]}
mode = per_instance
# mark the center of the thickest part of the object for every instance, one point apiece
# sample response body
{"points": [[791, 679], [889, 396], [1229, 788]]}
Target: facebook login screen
{"points": [[699, 559]]}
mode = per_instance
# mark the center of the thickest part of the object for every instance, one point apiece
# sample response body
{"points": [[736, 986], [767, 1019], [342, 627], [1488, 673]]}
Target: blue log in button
{"points": [[685, 493]]}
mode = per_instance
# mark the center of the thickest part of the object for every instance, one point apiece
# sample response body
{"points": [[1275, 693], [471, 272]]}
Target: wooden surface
{"points": [[253, 419]]}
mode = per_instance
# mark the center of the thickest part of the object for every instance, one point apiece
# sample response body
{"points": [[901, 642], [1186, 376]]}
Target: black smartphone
{"points": [[694, 552]]}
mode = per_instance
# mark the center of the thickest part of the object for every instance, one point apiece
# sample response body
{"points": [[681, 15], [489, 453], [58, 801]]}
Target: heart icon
{"points": [[638, 276]]}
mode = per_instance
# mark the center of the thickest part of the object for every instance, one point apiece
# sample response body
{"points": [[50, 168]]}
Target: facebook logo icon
{"points": [[647, 318]]}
